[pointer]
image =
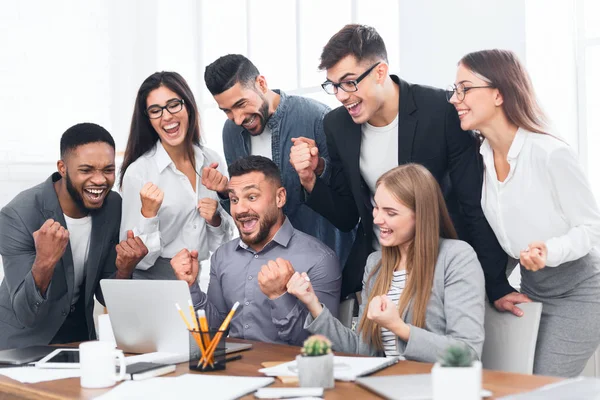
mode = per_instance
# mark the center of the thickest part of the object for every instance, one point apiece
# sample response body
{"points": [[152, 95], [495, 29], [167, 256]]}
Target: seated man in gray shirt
{"points": [[255, 268]]}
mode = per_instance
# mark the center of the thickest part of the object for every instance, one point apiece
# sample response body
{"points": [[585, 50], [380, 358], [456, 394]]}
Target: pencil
{"points": [[187, 324], [193, 316], [219, 334], [204, 327]]}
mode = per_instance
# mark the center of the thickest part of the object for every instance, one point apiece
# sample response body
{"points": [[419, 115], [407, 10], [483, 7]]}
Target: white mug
{"points": [[97, 362]]}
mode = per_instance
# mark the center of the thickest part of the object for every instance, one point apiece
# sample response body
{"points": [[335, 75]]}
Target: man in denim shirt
{"points": [[267, 122]]}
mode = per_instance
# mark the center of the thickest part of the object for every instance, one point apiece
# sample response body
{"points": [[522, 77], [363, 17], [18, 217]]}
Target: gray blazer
{"points": [[27, 318], [455, 312]]}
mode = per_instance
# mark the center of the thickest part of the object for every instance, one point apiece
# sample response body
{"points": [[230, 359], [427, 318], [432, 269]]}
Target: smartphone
{"points": [[60, 358]]}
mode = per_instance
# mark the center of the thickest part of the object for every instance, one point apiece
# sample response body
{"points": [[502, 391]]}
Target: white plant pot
{"points": [[451, 383], [316, 371]]}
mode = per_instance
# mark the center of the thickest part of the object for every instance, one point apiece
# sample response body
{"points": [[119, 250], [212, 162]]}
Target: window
{"points": [[588, 61]]}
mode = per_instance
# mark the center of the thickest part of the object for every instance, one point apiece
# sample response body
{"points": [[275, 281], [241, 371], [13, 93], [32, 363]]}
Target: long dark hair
{"points": [[142, 136], [503, 70]]}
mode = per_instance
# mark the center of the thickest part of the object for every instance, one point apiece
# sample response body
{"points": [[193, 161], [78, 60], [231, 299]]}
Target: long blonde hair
{"points": [[415, 187]]}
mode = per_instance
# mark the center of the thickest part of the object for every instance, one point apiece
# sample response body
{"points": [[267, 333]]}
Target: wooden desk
{"points": [[500, 383]]}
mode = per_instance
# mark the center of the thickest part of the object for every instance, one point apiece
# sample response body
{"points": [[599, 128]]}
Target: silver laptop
{"points": [[144, 318]]}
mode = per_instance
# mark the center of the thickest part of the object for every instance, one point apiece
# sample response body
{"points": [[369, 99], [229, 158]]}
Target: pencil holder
{"points": [[216, 362]]}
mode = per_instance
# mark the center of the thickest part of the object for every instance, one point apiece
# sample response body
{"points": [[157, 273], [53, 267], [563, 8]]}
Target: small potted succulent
{"points": [[457, 375], [315, 364]]}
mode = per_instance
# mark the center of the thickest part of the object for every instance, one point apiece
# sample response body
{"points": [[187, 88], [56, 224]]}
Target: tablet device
{"points": [[24, 355], [60, 358]]}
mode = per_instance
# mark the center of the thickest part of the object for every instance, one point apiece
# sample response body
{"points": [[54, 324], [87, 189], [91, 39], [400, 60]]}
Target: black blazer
{"points": [[429, 133]]}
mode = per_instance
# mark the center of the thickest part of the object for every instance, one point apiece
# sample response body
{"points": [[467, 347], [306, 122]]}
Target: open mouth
{"points": [[248, 224], [252, 123], [354, 108], [172, 129], [94, 195], [462, 113], [385, 233]]}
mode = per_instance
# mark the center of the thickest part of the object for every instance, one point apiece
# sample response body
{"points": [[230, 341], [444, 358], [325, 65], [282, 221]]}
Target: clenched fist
{"points": [[129, 253], [274, 276], [304, 157], [299, 286], [185, 266], [384, 312], [207, 208], [534, 258], [152, 198], [212, 179], [51, 241]]}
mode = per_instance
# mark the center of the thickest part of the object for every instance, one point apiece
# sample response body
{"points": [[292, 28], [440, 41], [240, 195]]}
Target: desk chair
{"points": [[510, 340], [346, 310]]}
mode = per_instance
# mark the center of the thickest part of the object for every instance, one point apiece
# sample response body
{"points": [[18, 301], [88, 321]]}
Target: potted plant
{"points": [[457, 375], [315, 364]]}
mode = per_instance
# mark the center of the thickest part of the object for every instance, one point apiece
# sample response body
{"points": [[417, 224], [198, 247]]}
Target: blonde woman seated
{"points": [[422, 292]]}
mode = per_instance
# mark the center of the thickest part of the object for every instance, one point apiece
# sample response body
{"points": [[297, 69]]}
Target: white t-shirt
{"points": [[378, 154], [80, 232], [260, 145]]}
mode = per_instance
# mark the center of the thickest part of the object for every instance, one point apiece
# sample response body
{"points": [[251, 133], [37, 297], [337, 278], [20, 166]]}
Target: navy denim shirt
{"points": [[294, 117]]}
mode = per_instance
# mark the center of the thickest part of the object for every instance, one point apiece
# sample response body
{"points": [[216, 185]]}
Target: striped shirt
{"points": [[389, 338]]}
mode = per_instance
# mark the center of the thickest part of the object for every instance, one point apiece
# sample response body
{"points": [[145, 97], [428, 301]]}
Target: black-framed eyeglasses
{"points": [[173, 107], [347, 86], [460, 90]]}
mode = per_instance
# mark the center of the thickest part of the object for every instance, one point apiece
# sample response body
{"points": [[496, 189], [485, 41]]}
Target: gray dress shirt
{"points": [[233, 277]]}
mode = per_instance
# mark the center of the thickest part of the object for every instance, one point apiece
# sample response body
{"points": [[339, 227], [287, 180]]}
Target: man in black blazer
{"points": [[385, 122], [51, 273]]}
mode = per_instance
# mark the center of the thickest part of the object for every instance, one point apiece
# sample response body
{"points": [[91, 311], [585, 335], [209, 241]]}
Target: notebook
{"points": [[403, 387], [344, 368]]}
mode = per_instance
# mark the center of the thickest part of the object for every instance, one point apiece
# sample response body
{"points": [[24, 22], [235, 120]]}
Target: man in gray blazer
{"points": [[58, 239]]}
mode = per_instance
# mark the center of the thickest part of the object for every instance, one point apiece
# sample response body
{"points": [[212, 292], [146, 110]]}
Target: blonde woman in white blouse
{"points": [[537, 200], [165, 201]]}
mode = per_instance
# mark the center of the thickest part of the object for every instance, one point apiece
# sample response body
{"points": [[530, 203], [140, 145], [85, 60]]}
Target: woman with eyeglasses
{"points": [[424, 290], [164, 200], [538, 201]]}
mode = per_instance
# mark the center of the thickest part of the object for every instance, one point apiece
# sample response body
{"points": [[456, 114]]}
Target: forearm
{"points": [[342, 337], [42, 271], [28, 304], [217, 235], [201, 301], [288, 315]]}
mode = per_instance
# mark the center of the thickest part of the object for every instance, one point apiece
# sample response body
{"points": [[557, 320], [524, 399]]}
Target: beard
{"points": [[75, 195], [265, 225], [263, 115]]}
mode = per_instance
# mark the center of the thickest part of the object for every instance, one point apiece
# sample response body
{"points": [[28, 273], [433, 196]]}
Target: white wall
{"points": [[435, 34]]}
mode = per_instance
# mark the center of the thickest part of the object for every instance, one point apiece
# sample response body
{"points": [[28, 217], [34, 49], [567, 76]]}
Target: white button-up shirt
{"points": [[178, 224], [545, 197]]}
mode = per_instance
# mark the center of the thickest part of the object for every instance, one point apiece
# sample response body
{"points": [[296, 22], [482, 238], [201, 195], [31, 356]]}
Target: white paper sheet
{"points": [[344, 368], [187, 386], [35, 375]]}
